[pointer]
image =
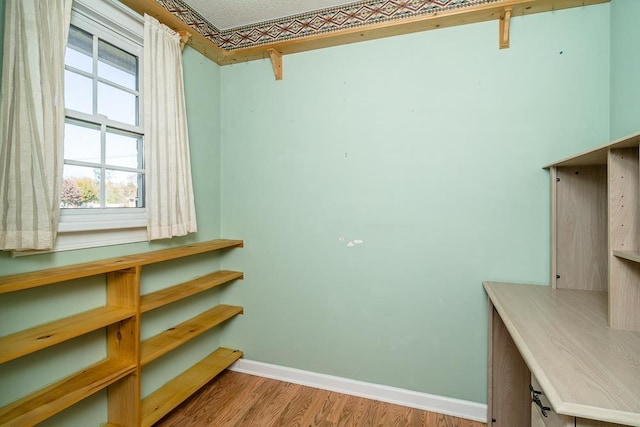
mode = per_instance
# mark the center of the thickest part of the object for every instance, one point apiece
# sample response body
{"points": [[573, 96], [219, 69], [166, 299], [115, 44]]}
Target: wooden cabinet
{"points": [[120, 317], [586, 370], [580, 336]]}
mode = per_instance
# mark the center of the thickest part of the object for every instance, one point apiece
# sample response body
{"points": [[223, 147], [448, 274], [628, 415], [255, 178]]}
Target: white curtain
{"points": [[32, 122], [169, 191]]}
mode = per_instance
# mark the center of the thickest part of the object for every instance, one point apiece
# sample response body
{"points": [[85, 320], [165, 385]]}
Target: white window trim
{"points": [[96, 238], [113, 22], [77, 220], [119, 19]]}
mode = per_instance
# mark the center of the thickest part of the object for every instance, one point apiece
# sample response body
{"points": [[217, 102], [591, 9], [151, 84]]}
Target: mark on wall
{"points": [[351, 243]]}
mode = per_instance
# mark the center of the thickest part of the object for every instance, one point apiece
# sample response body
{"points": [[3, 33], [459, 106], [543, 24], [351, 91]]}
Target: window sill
{"points": [[88, 228], [83, 240]]}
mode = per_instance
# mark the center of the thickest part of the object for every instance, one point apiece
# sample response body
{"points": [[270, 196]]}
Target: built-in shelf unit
{"points": [[120, 317]]}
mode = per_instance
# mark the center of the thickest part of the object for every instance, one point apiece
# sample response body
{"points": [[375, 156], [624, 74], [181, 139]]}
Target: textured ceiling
{"points": [[226, 14]]}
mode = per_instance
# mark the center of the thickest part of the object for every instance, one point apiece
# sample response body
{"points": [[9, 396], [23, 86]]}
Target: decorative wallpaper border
{"points": [[192, 18], [337, 18]]}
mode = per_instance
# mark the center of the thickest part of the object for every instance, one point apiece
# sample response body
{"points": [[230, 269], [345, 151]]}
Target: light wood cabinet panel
{"points": [[581, 241], [509, 404], [624, 235]]}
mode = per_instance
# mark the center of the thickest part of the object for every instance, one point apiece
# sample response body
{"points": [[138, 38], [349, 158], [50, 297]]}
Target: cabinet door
{"points": [[536, 417], [550, 418]]}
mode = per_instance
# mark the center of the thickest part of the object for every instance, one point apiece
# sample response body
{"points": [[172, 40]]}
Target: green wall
{"points": [[625, 67], [427, 147], [28, 308]]}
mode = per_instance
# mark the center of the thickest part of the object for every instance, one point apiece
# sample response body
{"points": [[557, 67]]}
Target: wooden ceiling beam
{"points": [[464, 15]]}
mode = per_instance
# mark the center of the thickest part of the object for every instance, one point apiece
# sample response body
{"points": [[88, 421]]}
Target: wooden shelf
{"points": [[34, 279], [192, 287], [170, 395], [166, 341], [628, 255], [598, 156], [43, 336], [462, 15], [50, 400]]}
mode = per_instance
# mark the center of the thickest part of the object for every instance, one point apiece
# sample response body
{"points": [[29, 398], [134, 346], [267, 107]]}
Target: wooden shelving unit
{"points": [[596, 227], [121, 316]]}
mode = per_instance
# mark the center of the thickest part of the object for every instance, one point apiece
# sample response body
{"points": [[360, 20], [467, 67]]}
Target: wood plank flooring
{"points": [[241, 400]]}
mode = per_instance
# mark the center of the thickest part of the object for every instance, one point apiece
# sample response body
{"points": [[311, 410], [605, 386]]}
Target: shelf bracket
{"points": [[276, 63], [184, 37], [504, 27]]}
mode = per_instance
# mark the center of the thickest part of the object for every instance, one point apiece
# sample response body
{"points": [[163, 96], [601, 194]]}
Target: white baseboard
{"points": [[428, 402]]}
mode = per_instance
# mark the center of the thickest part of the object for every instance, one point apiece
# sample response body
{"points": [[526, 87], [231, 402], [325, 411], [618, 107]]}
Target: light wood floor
{"points": [[234, 399]]}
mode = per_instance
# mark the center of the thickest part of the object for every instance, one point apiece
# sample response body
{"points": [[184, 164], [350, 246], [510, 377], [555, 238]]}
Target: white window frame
{"points": [[114, 23]]}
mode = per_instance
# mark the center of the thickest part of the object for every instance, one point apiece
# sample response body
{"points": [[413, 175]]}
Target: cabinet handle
{"points": [[535, 396]]}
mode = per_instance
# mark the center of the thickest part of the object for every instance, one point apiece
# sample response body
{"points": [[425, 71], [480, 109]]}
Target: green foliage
{"points": [[85, 192], [89, 190]]}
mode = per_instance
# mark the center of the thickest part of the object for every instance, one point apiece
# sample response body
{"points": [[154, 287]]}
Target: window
{"points": [[102, 194], [103, 165]]}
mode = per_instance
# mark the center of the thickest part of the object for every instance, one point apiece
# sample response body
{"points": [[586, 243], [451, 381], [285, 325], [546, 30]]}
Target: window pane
{"points": [[80, 187], [116, 65], [117, 104], [124, 150], [78, 92], [81, 142], [79, 53], [121, 189]]}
